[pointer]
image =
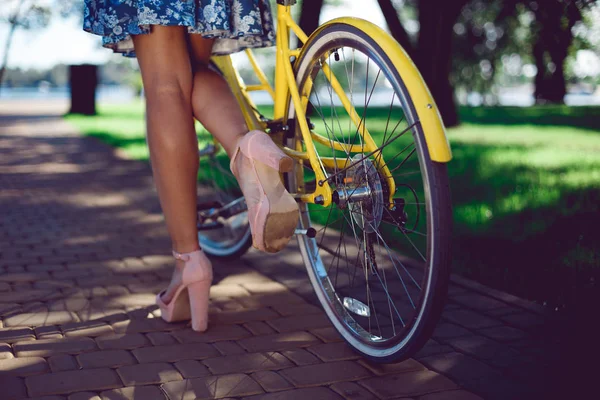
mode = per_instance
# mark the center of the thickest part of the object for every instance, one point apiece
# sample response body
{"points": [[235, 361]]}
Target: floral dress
{"points": [[235, 24]]}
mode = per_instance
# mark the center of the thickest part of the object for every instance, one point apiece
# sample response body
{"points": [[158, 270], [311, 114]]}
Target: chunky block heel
{"points": [[190, 300], [198, 293]]}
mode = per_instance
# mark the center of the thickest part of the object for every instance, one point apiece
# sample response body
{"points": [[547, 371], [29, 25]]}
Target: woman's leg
{"points": [[212, 101], [164, 60]]}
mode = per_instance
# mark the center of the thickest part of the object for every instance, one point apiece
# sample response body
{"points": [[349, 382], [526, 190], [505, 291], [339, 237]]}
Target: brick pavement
{"points": [[84, 250]]}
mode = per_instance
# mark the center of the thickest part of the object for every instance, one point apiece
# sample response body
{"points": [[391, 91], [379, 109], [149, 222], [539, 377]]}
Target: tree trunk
{"points": [[11, 32], [554, 22], [540, 76], [309, 15], [434, 57], [84, 80], [398, 32]]}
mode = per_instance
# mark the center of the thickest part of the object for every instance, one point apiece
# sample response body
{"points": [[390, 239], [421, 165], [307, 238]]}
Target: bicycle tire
{"points": [[346, 316]]}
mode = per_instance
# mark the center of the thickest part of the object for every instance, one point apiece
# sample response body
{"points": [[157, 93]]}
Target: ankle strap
{"points": [[183, 256]]}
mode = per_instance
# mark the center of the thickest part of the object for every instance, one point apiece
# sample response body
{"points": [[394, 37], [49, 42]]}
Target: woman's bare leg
{"points": [[164, 60], [212, 101]]}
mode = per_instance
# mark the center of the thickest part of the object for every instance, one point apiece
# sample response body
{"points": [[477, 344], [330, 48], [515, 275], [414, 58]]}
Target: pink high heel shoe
{"points": [[191, 298], [272, 211]]}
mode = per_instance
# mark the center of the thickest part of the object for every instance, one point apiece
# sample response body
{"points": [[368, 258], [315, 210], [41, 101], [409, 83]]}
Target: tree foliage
{"points": [[24, 14]]}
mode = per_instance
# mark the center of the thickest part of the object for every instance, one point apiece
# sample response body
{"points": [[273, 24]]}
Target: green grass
{"points": [[525, 187]]}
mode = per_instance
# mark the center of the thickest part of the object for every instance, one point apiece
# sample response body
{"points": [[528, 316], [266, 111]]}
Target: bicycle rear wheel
{"points": [[380, 272], [223, 228]]}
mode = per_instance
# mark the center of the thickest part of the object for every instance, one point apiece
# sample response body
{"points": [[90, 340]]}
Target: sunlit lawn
{"points": [[525, 186]]}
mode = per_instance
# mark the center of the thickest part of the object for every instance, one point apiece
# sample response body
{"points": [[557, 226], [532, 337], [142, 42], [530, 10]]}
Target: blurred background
{"points": [[517, 82]]}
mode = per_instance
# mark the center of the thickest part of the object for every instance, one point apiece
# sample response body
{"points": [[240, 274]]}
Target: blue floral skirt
{"points": [[235, 24]]}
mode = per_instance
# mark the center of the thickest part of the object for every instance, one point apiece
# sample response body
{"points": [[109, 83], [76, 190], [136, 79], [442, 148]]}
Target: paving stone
{"points": [[228, 348], [327, 335], [384, 369], [271, 381], [451, 395], [133, 393], [486, 349], [23, 366], [89, 329], [41, 318], [226, 305], [245, 276], [72, 381], [161, 338], [23, 296], [62, 362], [296, 309], [105, 358], [497, 312], [12, 335], [45, 267], [269, 299], [320, 393], [415, 383], [334, 351], [48, 332], [240, 317], [175, 352], [122, 341], [84, 396], [501, 388], [247, 363], [109, 315], [320, 374], [280, 341], [147, 374], [527, 321], [191, 368], [220, 291], [214, 333], [264, 287], [503, 333], [8, 309], [145, 325], [12, 387], [459, 367], [446, 330], [432, 347], [212, 387], [50, 347], [4, 287], [470, 319], [5, 351], [352, 391], [24, 277], [477, 301], [300, 322], [301, 357], [259, 328], [48, 398]]}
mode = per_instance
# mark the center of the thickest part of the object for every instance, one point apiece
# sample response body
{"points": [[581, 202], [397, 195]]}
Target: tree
{"points": [[25, 14], [553, 26], [309, 16]]}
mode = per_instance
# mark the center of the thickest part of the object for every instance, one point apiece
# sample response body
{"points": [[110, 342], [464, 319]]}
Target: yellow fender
{"points": [[427, 111]]}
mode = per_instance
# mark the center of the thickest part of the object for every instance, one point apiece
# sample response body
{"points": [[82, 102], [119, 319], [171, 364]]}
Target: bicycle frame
{"points": [[286, 87]]}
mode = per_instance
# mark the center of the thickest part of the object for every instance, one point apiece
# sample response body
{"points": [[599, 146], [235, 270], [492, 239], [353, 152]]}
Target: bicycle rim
{"points": [[221, 236], [380, 272]]}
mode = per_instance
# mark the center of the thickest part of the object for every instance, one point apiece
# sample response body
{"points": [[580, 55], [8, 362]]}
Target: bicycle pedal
{"points": [[310, 232]]}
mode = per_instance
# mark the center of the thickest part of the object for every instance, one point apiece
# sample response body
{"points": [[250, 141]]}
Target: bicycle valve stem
{"points": [[310, 232]]}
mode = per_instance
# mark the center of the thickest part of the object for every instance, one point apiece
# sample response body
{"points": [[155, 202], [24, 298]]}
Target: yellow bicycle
{"points": [[369, 174]]}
